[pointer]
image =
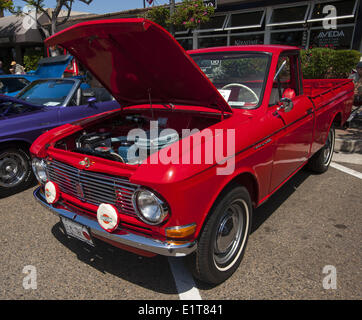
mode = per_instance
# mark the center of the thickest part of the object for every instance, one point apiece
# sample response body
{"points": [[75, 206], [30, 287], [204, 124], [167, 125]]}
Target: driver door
{"points": [[296, 125]]}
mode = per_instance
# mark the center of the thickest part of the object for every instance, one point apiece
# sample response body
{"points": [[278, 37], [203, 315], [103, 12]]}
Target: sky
{"points": [[101, 6]]}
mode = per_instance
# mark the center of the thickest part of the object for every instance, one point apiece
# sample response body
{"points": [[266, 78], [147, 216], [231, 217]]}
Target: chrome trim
{"points": [[162, 205], [96, 188], [126, 238]]}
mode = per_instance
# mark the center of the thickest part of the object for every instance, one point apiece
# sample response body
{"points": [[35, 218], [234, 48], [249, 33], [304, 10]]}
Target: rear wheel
{"points": [[15, 170], [322, 159], [223, 240]]}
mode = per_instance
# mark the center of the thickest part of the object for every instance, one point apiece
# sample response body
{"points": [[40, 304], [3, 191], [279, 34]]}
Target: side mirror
{"points": [[92, 102], [286, 104]]}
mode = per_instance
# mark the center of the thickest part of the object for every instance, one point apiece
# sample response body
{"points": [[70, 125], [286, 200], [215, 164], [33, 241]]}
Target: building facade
{"points": [[314, 23]]}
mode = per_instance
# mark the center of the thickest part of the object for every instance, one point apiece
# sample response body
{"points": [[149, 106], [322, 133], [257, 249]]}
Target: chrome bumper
{"points": [[126, 238]]}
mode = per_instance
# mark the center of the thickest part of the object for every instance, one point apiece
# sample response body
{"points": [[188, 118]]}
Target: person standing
{"points": [[357, 80], [17, 68]]}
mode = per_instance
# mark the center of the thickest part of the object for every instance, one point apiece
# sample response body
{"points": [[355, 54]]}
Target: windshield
{"points": [[48, 92], [240, 77], [9, 85]]}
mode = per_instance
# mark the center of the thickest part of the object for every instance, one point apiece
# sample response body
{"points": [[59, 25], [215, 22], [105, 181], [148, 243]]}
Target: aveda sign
{"points": [[331, 34]]}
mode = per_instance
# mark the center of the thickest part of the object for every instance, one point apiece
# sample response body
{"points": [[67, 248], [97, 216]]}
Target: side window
{"points": [[286, 77]]}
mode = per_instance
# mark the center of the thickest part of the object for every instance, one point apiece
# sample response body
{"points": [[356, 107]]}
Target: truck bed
{"points": [[318, 87]]}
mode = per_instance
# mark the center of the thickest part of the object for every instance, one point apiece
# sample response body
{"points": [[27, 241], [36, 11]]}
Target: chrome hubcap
{"points": [[12, 169], [328, 148], [229, 233]]}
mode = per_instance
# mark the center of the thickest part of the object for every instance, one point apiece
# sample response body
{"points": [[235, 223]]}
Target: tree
{"points": [[5, 5], [189, 14], [52, 15]]}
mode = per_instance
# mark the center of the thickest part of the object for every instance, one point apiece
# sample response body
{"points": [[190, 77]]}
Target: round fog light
{"points": [[108, 217], [52, 192]]}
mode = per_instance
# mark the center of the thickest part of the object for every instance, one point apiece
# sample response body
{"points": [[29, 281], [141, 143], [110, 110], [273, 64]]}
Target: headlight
{"points": [[149, 207], [39, 168]]}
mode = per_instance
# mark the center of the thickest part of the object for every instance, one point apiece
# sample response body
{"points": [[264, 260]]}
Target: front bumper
{"points": [[127, 238]]}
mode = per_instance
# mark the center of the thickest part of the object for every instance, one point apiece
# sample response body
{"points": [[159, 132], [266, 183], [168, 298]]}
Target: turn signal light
{"points": [[181, 232]]}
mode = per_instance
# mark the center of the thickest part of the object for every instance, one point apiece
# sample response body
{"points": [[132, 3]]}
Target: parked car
{"points": [[41, 106], [163, 203], [52, 67]]}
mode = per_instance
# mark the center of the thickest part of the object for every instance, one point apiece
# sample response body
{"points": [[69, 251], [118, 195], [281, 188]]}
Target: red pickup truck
{"points": [[236, 124]]}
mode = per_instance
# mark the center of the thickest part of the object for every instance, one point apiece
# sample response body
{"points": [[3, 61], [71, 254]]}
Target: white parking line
{"points": [[185, 284], [350, 158], [346, 170]]}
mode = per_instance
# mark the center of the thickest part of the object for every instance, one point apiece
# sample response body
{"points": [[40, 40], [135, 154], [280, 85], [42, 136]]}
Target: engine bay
{"points": [[130, 137]]}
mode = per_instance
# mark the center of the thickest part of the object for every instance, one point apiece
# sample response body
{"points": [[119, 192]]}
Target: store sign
{"points": [[338, 39], [246, 42], [331, 34], [331, 38]]}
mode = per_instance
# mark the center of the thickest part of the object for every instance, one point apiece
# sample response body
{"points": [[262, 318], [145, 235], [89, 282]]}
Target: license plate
{"points": [[76, 230]]}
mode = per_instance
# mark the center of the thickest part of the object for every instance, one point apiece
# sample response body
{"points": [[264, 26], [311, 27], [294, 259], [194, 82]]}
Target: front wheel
{"points": [[322, 159], [15, 171], [223, 240]]}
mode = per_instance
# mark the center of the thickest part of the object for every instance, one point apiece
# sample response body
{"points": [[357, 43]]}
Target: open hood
{"points": [[53, 67], [139, 62]]}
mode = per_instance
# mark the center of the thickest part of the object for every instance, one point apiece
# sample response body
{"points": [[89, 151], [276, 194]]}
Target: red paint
{"points": [[271, 145]]}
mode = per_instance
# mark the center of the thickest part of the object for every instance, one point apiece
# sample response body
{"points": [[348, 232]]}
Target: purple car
{"points": [[41, 106]]}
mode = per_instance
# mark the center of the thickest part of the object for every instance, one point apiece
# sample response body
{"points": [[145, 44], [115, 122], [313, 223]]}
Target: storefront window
{"points": [[337, 39], [296, 38], [215, 23], [212, 42], [180, 30], [246, 20], [288, 16], [186, 43], [344, 9], [242, 40]]}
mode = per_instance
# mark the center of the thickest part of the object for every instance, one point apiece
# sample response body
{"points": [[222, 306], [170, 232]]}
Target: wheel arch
{"points": [[244, 178], [25, 145], [337, 120]]}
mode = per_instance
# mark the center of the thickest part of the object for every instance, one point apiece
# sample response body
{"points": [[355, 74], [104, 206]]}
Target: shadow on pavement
{"points": [[262, 213], [8, 194], [150, 273], [154, 273]]}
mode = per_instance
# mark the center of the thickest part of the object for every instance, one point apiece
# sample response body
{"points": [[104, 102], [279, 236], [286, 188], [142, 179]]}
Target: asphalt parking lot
{"points": [[314, 221]]}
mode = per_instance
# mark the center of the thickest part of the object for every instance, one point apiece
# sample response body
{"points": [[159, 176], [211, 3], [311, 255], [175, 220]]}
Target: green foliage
{"points": [[325, 63], [31, 59], [191, 13], [188, 15], [159, 15], [6, 4]]}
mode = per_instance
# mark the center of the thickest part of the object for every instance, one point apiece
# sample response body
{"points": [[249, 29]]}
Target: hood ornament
{"points": [[86, 162]]}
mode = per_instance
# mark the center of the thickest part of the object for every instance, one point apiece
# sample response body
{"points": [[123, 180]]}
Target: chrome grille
{"points": [[91, 187]]}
